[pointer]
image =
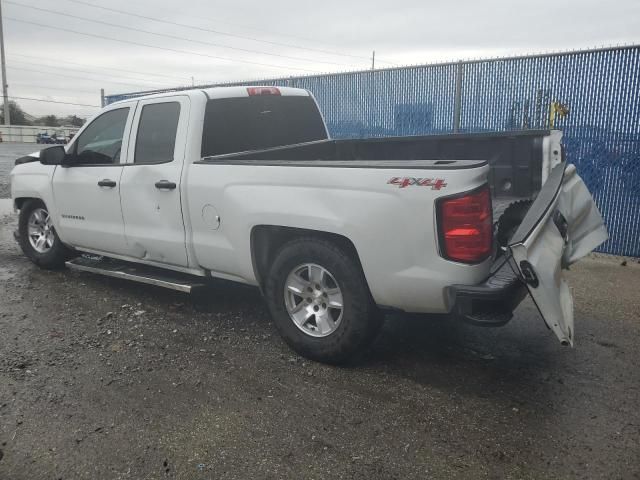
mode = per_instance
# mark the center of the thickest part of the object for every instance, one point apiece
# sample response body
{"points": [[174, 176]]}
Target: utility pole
{"points": [[373, 61], [5, 86], [101, 94]]}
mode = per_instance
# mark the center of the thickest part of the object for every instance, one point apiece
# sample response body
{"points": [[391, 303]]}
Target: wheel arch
{"points": [[20, 201], [267, 239]]}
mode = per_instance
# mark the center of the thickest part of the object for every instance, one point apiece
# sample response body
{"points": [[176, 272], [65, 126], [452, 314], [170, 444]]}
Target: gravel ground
{"points": [[8, 154], [104, 379]]}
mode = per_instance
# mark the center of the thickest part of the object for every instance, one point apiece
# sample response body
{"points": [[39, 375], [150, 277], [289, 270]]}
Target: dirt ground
{"points": [[104, 379]]}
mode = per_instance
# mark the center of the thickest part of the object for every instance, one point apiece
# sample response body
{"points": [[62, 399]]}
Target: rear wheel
{"points": [[320, 302], [38, 238]]}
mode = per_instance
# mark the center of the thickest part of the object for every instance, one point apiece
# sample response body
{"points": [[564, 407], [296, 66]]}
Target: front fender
{"points": [[33, 180]]}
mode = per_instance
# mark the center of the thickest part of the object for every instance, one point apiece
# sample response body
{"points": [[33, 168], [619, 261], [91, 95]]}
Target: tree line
{"points": [[18, 117]]}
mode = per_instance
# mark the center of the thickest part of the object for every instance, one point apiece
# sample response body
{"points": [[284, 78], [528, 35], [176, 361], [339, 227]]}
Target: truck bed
{"points": [[515, 158], [388, 164]]}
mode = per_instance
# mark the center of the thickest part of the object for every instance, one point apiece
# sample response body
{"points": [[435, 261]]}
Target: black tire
{"points": [[361, 320], [55, 257]]}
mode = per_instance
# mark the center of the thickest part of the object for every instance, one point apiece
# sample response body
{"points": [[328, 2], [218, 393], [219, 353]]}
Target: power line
{"points": [[54, 101], [149, 74], [174, 37], [77, 77], [167, 49], [218, 32], [257, 29], [93, 73]]}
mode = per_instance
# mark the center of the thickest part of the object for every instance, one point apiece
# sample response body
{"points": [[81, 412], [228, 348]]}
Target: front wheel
{"points": [[38, 238], [320, 302]]}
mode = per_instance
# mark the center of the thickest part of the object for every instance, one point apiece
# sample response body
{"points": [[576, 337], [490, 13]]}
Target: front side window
{"points": [[157, 130], [101, 141]]}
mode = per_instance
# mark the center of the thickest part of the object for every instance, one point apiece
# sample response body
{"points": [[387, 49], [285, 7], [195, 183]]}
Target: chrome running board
{"points": [[181, 282]]}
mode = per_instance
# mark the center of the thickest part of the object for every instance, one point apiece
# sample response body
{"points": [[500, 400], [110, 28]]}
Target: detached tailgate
{"points": [[562, 226]]}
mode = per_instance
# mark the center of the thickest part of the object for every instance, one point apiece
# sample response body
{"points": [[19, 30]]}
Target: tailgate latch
{"points": [[529, 274]]}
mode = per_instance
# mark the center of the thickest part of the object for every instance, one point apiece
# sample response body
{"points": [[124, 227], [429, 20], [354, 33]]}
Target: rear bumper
{"points": [[492, 302]]}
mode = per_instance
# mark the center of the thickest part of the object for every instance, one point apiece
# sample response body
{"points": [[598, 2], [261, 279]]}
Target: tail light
{"points": [[465, 224], [257, 91]]}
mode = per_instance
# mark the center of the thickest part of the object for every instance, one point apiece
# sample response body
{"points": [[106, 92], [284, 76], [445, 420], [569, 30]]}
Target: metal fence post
{"points": [[457, 105]]}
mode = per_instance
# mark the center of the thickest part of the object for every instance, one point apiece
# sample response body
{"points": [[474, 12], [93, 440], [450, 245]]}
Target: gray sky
{"points": [[290, 38]]}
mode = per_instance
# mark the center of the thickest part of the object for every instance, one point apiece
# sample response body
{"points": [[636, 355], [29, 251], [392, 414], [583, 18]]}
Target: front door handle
{"points": [[165, 185], [106, 183]]}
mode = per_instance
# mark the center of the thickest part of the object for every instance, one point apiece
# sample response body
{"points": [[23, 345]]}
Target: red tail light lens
{"points": [[465, 226], [256, 91]]}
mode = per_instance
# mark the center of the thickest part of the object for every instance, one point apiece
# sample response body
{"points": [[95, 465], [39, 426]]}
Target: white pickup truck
{"points": [[244, 184]]}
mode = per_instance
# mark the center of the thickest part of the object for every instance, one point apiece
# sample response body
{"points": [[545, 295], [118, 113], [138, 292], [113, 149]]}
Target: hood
{"points": [[32, 157]]}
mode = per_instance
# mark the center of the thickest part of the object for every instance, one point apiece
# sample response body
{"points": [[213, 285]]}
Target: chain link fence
{"points": [[592, 95]]}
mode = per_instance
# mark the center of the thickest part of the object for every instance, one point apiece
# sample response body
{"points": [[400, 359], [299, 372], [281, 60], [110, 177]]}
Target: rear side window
{"points": [[259, 122], [157, 130]]}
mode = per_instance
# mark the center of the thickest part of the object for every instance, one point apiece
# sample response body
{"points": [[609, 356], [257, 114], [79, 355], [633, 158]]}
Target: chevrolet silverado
{"points": [[244, 184]]}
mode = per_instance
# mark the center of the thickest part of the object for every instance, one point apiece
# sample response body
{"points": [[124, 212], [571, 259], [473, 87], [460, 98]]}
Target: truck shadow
{"points": [[445, 353], [436, 351], [431, 351]]}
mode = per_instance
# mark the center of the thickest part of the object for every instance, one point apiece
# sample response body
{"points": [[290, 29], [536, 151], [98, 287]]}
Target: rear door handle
{"points": [[106, 183], [165, 185]]}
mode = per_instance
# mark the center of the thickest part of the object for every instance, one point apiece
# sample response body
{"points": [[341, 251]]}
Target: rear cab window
{"points": [[242, 124], [157, 129]]}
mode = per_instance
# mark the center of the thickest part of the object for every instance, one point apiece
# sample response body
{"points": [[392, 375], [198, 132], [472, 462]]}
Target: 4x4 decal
{"points": [[403, 182]]}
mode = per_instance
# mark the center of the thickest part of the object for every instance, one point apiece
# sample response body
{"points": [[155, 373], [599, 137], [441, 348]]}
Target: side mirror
{"points": [[53, 155]]}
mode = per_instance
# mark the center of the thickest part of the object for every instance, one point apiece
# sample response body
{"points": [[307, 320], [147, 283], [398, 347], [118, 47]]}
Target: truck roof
{"points": [[223, 92], [243, 91]]}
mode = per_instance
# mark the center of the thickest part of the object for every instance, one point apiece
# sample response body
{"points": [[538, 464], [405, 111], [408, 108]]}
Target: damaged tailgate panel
{"points": [[562, 226]]}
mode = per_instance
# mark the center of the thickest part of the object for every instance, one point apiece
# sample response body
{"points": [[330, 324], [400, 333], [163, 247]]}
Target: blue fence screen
{"points": [[595, 97]]}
